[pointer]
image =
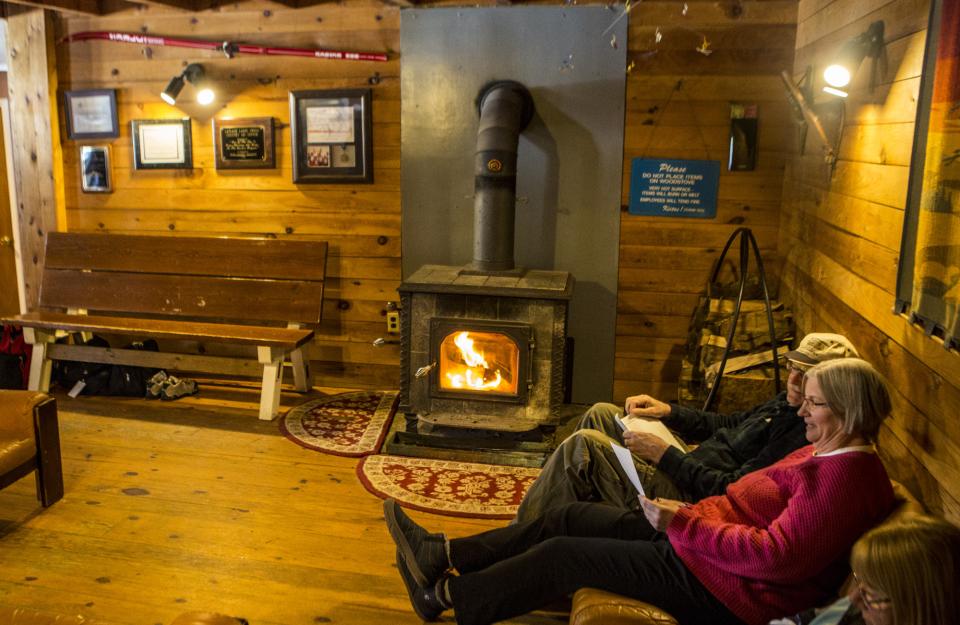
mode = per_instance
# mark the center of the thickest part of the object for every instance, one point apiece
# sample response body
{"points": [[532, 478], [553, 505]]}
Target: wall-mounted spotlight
{"points": [[193, 74], [840, 72]]}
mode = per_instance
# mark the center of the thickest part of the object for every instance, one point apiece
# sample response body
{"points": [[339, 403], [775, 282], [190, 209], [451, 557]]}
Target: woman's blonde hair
{"points": [[856, 393], [916, 563]]}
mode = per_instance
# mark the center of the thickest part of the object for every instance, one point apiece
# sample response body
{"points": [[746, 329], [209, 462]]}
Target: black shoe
{"points": [[424, 600], [424, 553]]}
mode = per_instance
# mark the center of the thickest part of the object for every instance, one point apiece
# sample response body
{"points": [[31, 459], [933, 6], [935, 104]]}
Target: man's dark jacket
{"points": [[733, 445]]}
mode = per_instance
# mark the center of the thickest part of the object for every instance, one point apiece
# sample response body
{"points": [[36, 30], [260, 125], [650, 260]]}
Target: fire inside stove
{"points": [[479, 362]]}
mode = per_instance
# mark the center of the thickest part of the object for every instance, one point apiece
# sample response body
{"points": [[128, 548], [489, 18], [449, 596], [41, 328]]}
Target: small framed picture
{"points": [[245, 143], [95, 174], [332, 138], [162, 144], [91, 114]]}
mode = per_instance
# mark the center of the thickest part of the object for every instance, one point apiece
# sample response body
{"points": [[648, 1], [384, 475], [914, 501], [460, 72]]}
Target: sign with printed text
{"points": [[673, 188]]}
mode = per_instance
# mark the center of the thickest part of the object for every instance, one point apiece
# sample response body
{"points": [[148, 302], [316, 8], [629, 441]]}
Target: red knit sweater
{"points": [[778, 541]]}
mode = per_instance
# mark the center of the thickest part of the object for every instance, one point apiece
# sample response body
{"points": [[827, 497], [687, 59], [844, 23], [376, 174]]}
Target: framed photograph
{"points": [[332, 138], [245, 143], [91, 114], [95, 176], [162, 144]]}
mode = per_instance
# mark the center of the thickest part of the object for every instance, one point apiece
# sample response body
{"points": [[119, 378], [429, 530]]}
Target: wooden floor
{"points": [[198, 505]]}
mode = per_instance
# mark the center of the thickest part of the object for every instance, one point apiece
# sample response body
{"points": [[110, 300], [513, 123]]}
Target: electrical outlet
{"points": [[393, 321]]}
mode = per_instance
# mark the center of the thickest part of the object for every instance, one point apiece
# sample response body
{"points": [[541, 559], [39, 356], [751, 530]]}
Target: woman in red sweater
{"points": [[776, 542]]}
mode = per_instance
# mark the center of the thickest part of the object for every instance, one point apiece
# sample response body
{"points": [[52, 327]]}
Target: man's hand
{"points": [[649, 447], [660, 511], [646, 406]]}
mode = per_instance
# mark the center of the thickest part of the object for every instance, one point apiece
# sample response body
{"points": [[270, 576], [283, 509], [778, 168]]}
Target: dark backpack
{"points": [[14, 358], [104, 379]]}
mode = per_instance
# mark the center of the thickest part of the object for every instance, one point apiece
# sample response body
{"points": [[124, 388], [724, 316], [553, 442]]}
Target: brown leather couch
{"points": [[30, 442], [27, 616], [596, 607]]}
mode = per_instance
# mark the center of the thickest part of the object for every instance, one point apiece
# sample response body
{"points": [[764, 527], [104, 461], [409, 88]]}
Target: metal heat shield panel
{"points": [[572, 59]]}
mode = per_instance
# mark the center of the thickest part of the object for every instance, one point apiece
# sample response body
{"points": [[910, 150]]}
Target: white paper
{"points": [[75, 391], [91, 113], [626, 461], [161, 143], [330, 124], [656, 427]]}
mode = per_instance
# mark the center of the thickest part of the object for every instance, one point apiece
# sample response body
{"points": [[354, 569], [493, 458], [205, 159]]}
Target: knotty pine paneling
{"points": [[678, 106], [840, 239]]}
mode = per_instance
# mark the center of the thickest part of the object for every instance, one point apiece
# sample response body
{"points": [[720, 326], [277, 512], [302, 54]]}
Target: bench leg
{"points": [[302, 376], [40, 364], [272, 362]]}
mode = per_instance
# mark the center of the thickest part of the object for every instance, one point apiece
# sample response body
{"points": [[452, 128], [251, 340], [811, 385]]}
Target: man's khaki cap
{"points": [[820, 346]]}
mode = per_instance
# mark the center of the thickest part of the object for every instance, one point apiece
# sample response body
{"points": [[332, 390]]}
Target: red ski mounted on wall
{"points": [[229, 48]]}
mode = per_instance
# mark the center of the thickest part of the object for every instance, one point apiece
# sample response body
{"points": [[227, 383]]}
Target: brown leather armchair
{"points": [[30, 441], [597, 607]]}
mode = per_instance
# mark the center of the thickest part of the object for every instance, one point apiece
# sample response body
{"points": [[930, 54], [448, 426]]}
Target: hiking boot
{"points": [[425, 554], [425, 601], [156, 383], [179, 387]]}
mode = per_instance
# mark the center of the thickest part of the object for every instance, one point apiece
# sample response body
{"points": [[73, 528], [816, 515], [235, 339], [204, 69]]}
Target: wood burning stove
{"points": [[481, 354], [483, 347]]}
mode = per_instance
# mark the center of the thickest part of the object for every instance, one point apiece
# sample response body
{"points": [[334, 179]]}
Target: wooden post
{"points": [[35, 151], [272, 361], [302, 377]]}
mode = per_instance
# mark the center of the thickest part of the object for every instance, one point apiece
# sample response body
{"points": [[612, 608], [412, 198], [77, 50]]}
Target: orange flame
{"points": [[475, 373]]}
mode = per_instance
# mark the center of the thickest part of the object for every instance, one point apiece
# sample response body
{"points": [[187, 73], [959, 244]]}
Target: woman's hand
{"points": [[649, 447], [660, 511], [646, 406]]}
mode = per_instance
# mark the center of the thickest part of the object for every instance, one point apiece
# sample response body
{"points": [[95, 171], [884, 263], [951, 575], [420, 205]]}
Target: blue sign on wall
{"points": [[672, 188]]}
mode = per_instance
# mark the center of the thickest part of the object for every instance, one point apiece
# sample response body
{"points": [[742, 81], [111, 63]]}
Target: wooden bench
{"points": [[246, 291]]}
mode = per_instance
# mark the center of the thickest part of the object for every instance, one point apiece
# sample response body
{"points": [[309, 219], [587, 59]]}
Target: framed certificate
{"points": [[91, 114], [332, 136], [244, 143], [161, 144]]}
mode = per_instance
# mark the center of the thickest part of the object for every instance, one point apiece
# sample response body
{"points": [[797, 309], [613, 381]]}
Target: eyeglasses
{"points": [[815, 403], [874, 603]]}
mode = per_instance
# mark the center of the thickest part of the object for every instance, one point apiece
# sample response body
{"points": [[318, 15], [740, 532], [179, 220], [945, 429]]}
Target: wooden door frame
{"points": [[14, 215]]}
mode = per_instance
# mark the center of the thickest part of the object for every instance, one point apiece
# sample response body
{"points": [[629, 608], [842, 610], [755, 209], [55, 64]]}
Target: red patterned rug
{"points": [[348, 424], [448, 487]]}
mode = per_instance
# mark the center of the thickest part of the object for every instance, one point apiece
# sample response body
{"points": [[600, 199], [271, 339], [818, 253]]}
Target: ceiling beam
{"points": [[84, 7], [186, 5]]}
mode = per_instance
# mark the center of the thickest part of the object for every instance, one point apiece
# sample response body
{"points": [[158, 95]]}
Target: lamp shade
{"points": [[174, 87], [840, 71]]}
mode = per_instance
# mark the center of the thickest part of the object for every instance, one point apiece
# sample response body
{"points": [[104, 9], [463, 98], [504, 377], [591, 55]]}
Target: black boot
{"points": [[425, 554], [425, 601]]}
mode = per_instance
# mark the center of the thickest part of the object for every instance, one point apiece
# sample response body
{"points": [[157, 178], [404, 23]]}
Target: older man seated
{"points": [[584, 467]]}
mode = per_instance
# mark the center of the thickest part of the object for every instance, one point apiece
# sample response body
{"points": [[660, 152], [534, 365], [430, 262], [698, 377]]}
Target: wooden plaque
{"points": [[245, 143]]}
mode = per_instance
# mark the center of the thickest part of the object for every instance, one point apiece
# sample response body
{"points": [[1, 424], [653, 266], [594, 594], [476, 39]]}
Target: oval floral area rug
{"points": [[447, 486], [347, 424]]}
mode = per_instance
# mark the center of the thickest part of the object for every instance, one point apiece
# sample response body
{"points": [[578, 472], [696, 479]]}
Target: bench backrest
{"points": [[250, 279]]}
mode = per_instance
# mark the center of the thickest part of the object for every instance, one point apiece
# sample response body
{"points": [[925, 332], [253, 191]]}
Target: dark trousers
{"points": [[516, 569]]}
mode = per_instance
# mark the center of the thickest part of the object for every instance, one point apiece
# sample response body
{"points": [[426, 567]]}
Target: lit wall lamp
{"points": [[838, 74], [193, 74]]}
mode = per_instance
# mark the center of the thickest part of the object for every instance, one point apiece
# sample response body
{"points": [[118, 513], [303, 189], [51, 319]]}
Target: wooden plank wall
{"points": [[678, 107], [840, 237]]}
